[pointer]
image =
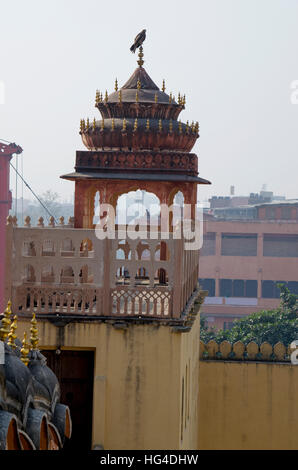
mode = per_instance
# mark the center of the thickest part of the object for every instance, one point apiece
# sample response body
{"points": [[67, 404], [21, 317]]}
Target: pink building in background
{"points": [[6, 152], [242, 261]]}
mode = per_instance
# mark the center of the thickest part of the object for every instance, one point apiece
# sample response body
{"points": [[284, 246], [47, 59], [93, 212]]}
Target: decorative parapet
{"points": [[150, 161], [66, 271], [245, 352]]}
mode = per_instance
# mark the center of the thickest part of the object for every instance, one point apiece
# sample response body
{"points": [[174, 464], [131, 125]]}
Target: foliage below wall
{"points": [[273, 326]]}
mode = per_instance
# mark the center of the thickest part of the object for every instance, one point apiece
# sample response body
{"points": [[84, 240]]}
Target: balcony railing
{"points": [[72, 272]]}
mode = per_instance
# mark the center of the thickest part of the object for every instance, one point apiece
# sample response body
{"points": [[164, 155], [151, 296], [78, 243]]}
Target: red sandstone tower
{"points": [[138, 144]]}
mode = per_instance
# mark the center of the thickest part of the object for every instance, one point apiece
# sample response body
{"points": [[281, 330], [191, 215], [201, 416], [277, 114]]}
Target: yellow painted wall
{"points": [[137, 381], [248, 405]]}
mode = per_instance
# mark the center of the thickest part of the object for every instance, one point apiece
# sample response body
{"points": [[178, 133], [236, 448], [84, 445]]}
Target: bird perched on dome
{"points": [[139, 39]]}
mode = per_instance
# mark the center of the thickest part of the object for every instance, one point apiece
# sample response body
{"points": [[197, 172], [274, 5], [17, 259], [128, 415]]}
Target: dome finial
{"points": [[12, 336], [5, 324], [116, 85], [141, 55], [34, 336], [25, 350]]}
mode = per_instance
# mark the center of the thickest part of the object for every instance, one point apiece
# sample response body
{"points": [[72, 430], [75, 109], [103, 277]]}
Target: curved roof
{"points": [[148, 90]]}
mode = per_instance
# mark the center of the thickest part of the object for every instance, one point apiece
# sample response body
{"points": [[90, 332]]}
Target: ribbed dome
{"points": [[139, 116]]}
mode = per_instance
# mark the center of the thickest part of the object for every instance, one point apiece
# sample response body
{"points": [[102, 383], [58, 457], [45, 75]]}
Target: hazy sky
{"points": [[234, 59]]}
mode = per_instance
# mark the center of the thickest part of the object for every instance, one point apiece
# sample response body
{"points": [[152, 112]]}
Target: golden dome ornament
{"points": [[12, 336], [25, 350], [34, 333], [5, 322]]}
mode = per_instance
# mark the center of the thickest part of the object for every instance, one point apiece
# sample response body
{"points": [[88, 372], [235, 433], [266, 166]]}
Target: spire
{"points": [[141, 55], [12, 336], [5, 324], [34, 333], [25, 350]]}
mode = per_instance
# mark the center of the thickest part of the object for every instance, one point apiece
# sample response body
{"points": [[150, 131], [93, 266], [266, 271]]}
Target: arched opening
{"points": [[122, 276], [161, 277], [47, 274], [48, 248], [178, 209], [142, 251], [67, 275], [123, 251], [86, 249], [142, 277], [138, 208], [67, 248], [29, 274], [179, 199], [29, 248], [86, 276]]}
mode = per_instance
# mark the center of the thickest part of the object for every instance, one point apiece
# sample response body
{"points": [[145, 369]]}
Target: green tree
{"points": [[273, 326]]}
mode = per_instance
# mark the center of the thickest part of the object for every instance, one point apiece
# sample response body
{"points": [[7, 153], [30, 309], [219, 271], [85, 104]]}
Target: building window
{"points": [[226, 287], [228, 325], [286, 213], [209, 285], [270, 213], [251, 288], [239, 244], [270, 289], [208, 247], [293, 287], [280, 246], [238, 288]]}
